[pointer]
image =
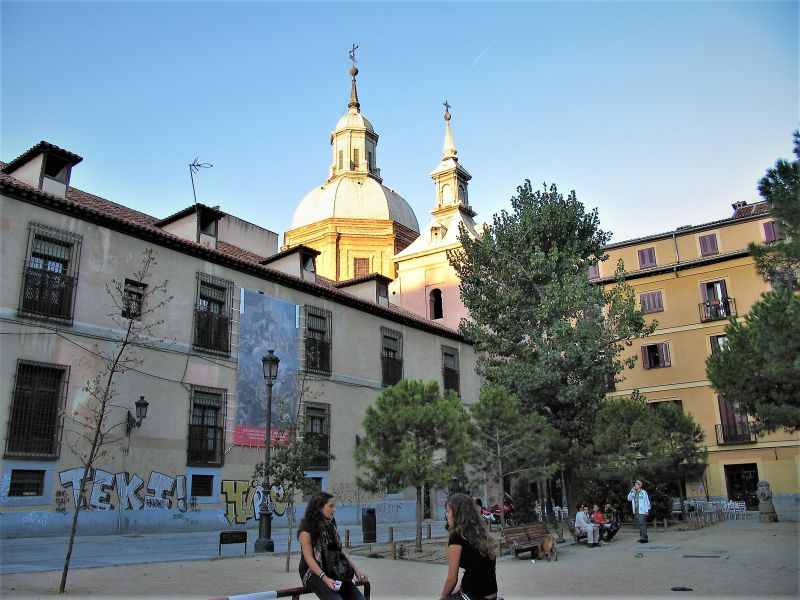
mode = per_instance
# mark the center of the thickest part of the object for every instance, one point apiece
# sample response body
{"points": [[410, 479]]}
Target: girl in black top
{"points": [[472, 548], [317, 532]]}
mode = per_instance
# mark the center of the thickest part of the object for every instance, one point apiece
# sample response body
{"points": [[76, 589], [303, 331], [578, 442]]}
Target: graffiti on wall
{"points": [[243, 500]]}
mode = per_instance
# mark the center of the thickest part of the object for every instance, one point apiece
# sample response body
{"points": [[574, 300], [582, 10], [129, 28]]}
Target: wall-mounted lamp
{"points": [[141, 413]]}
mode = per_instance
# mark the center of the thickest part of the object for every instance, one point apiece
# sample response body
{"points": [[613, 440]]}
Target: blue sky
{"points": [[658, 114]]}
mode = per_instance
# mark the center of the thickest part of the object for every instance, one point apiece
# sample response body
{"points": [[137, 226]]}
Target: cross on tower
{"points": [[352, 55], [446, 106]]}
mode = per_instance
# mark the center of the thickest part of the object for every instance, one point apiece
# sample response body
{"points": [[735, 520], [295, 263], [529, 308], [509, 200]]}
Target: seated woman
{"points": [[583, 524], [472, 548], [607, 530]]}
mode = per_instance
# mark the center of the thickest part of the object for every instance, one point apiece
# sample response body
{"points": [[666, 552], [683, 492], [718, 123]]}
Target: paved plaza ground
{"points": [[742, 558]]}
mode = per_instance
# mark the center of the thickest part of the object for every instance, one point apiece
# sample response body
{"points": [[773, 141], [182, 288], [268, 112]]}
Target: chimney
{"points": [[46, 167], [737, 205]]}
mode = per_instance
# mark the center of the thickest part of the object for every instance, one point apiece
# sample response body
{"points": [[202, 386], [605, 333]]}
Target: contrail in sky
{"points": [[480, 56]]}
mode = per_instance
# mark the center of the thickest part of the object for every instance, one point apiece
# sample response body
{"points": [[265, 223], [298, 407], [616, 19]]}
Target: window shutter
{"points": [[769, 232], [712, 244], [663, 350], [645, 358], [723, 289], [703, 245], [708, 244], [658, 302]]}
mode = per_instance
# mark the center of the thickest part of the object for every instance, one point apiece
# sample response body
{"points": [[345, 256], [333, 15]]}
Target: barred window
{"points": [[206, 427], [360, 267], [318, 428], [202, 485], [50, 274], [36, 420], [26, 483], [391, 356], [318, 340], [132, 297], [212, 317], [450, 372]]}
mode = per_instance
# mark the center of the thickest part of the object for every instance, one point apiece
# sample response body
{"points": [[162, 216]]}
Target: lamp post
{"points": [[141, 413], [264, 542]]}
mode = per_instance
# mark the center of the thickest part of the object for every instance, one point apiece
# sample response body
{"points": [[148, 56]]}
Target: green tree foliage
{"points": [[540, 328], [509, 440], [414, 436], [759, 366], [779, 261]]}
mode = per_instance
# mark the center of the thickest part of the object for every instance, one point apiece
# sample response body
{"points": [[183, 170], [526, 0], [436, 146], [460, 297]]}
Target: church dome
{"points": [[354, 198], [354, 120]]}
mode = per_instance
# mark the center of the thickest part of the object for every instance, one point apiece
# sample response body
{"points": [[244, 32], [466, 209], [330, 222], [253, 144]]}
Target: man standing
{"points": [[640, 503]]}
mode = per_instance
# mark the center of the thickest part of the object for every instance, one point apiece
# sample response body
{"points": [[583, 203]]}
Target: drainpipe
{"points": [[677, 255]]}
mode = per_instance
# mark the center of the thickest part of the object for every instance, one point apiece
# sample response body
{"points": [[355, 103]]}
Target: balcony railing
{"points": [[318, 355], [211, 331], [737, 432], [392, 370], [714, 310], [47, 294]]}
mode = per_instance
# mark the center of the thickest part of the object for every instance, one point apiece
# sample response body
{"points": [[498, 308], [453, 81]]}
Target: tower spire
{"points": [[449, 150], [353, 105]]}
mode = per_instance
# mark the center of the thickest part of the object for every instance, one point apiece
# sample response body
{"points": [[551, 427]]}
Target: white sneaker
{"points": [[604, 543]]}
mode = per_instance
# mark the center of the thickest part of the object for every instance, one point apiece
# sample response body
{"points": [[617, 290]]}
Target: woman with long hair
{"points": [[472, 548], [324, 567]]}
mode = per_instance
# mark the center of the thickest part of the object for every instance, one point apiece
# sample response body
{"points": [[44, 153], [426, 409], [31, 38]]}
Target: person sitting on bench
{"points": [[583, 525], [607, 530]]}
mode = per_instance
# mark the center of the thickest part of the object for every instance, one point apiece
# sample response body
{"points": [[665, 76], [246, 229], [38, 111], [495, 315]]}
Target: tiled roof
{"points": [[288, 251], [356, 280], [42, 146], [213, 210]]}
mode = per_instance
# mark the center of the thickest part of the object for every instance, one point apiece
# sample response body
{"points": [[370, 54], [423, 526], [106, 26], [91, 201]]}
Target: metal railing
{"points": [[211, 331], [715, 310], [737, 432], [47, 294]]}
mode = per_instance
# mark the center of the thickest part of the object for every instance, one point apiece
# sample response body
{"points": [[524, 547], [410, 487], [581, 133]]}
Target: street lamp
{"points": [[264, 543], [141, 413]]}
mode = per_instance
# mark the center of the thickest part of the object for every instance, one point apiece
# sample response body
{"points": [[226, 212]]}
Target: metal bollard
{"points": [[394, 550], [346, 538], [429, 531], [391, 534]]}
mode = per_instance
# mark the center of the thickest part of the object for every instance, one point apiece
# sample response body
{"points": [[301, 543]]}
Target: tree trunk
{"points": [[73, 530], [290, 514], [500, 477], [418, 543]]}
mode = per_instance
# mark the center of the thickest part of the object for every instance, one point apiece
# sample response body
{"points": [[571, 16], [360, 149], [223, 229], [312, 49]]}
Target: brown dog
{"points": [[547, 548]]}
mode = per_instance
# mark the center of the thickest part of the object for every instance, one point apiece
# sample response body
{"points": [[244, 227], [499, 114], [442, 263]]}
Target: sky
{"points": [[658, 114]]}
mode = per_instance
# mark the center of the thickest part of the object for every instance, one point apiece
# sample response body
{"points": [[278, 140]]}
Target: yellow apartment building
{"points": [[692, 280]]}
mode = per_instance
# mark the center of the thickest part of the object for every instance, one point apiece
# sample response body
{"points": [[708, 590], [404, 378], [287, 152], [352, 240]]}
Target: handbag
{"points": [[336, 565]]}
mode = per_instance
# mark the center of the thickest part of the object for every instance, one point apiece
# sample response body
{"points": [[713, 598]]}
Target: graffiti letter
{"points": [[72, 477], [181, 494], [126, 491], [159, 485], [103, 483], [238, 497]]}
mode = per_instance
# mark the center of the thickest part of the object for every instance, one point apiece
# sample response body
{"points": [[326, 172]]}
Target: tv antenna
{"points": [[195, 167]]}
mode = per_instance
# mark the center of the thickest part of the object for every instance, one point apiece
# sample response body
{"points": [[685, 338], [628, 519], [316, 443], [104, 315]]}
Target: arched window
{"points": [[436, 304]]}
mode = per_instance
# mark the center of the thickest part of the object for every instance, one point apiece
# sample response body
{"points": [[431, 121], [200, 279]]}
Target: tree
{"points": [[779, 260], [539, 326], [759, 366], [414, 436], [89, 434], [509, 440]]}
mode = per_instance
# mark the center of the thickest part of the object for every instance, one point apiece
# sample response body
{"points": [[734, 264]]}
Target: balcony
{"points": [[715, 310], [211, 331], [392, 369], [47, 294], [737, 432], [318, 356]]}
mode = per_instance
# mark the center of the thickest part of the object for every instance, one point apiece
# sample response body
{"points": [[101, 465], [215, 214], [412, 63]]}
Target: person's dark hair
{"points": [[313, 515], [468, 523]]}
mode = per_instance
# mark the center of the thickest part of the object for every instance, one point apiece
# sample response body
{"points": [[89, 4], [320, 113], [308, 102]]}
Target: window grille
{"points": [[391, 356], [50, 274], [132, 298], [450, 374], [206, 427], [318, 428], [212, 315], [360, 267], [26, 483], [318, 340], [36, 419], [202, 485]]}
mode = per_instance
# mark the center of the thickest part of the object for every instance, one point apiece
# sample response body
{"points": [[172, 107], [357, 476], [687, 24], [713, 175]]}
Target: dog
{"points": [[547, 548]]}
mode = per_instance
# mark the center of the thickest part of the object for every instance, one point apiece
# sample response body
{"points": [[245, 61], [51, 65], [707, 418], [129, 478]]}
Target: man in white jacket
{"points": [[582, 523], [640, 503]]}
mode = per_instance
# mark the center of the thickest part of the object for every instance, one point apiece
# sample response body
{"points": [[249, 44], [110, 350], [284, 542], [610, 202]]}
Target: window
{"points": [[206, 427], [50, 275], [360, 267], [355, 158], [341, 159], [370, 164], [716, 304], [655, 356], [594, 270], [317, 485], [132, 296], [450, 369], [773, 232], [26, 483], [651, 302], [318, 429], [202, 485], [708, 244], [718, 343], [391, 356], [212, 317], [677, 402], [318, 340], [35, 423], [647, 257], [734, 427], [435, 301]]}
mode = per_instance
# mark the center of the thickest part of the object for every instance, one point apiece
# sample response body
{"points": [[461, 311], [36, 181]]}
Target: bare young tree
{"points": [[92, 430]]}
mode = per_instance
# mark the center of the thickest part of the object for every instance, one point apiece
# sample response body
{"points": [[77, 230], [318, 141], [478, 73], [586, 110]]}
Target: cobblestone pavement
{"points": [[744, 559]]}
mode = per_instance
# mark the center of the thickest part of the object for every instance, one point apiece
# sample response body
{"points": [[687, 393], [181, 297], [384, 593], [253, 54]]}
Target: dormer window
{"points": [[45, 167], [308, 266]]}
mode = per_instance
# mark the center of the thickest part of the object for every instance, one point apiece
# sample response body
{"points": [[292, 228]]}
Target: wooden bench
{"points": [[294, 593], [232, 537], [524, 538], [577, 535]]}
